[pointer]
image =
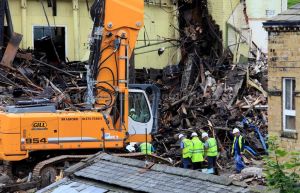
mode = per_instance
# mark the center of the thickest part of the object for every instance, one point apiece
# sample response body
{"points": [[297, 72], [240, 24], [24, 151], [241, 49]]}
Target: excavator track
{"points": [[45, 172], [36, 174], [48, 167]]}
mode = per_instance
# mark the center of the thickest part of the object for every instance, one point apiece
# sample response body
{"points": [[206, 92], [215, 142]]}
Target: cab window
{"points": [[138, 108]]}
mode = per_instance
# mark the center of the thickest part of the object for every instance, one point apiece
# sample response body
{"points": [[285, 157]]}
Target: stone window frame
{"points": [[289, 135]]}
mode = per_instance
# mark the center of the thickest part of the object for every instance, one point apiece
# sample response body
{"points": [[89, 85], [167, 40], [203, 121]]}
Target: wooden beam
{"points": [[11, 49]]}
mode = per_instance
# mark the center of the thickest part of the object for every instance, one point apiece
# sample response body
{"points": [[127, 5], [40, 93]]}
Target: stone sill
{"points": [[289, 135]]}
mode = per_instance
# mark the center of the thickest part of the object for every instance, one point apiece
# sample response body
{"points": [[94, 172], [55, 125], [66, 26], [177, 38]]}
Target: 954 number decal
{"points": [[36, 140]]}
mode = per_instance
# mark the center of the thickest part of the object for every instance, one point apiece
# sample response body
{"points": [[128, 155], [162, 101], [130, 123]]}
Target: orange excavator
{"points": [[116, 113]]}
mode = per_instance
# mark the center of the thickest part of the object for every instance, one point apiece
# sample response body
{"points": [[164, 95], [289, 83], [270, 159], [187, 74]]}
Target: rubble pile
{"points": [[207, 92], [36, 78], [216, 106]]}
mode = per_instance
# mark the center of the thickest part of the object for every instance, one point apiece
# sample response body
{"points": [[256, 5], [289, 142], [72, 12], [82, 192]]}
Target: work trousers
{"points": [[212, 163], [197, 165], [239, 164], [186, 163]]}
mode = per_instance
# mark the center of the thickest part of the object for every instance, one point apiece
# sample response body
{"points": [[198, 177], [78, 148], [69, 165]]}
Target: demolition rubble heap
{"points": [[39, 78], [207, 92]]}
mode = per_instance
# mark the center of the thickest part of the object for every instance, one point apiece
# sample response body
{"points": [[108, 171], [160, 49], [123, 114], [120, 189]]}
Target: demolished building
{"points": [[220, 92], [206, 91], [209, 91], [212, 88]]}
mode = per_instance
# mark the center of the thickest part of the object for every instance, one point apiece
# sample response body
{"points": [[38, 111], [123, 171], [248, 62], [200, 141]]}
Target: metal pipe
{"points": [[127, 66], [156, 40], [24, 22], [158, 43], [76, 29], [121, 111], [146, 161], [123, 57], [146, 142], [103, 139], [154, 50], [49, 65]]}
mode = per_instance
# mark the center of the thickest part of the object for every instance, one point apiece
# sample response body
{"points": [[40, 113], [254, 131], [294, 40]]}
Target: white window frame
{"points": [[288, 112]]}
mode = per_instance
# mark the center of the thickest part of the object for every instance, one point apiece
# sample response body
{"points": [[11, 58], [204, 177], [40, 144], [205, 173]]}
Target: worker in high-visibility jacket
{"points": [[238, 150], [197, 152], [211, 151], [146, 148], [186, 147]]}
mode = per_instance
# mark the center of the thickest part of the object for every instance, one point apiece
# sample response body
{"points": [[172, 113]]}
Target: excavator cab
{"points": [[140, 115]]}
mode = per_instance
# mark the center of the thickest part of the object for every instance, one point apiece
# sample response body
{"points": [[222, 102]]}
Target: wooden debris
{"points": [[207, 92]]}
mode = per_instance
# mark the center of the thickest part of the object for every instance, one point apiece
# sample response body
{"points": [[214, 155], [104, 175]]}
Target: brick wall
{"points": [[284, 61]]}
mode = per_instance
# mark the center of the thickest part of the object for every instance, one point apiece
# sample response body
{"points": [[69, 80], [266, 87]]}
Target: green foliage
{"points": [[282, 168], [292, 2]]}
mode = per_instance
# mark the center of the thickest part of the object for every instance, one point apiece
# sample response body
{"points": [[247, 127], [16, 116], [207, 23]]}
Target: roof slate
{"points": [[69, 186], [131, 175], [289, 18]]}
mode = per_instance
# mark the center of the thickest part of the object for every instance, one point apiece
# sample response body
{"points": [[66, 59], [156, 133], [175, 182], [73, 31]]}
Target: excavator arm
{"points": [[116, 27], [105, 123]]}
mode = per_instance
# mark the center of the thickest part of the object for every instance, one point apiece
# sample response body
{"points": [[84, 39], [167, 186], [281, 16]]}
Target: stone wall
{"points": [[284, 62]]}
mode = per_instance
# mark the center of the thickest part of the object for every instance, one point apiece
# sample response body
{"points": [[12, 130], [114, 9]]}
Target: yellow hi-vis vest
{"points": [[146, 148], [240, 143], [187, 149], [198, 150], [212, 147]]}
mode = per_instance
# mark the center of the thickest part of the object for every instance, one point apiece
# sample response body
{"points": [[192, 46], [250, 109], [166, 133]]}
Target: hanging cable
{"points": [[87, 5], [111, 92], [113, 76], [45, 13]]}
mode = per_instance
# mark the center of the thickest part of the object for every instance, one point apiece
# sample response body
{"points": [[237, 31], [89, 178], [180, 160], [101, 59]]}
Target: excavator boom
{"points": [[106, 123]]}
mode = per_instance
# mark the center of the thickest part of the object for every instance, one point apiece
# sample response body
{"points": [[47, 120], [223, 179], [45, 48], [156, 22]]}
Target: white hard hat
{"points": [[131, 147], [204, 135], [207, 73], [194, 134], [180, 136], [132, 110], [235, 130]]}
